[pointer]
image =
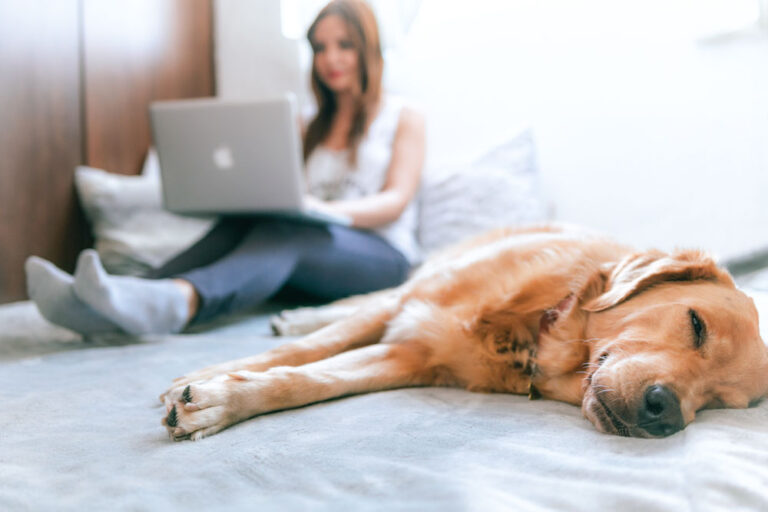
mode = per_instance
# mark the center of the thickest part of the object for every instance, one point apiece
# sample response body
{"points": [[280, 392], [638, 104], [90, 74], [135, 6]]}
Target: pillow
{"points": [[133, 232], [500, 188]]}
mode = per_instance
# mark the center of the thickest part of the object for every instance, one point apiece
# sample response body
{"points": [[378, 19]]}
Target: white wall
{"points": [[643, 130], [253, 59]]}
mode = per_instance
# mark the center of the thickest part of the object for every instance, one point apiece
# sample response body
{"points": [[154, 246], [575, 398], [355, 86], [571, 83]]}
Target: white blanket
{"points": [[80, 430]]}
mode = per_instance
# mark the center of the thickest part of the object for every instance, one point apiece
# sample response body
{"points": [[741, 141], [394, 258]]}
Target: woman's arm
{"points": [[402, 182]]}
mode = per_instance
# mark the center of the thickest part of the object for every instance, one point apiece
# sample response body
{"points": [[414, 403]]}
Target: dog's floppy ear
{"points": [[638, 271]]}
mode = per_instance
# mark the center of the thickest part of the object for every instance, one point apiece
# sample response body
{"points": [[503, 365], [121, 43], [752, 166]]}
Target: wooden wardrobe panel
{"points": [[136, 52], [40, 141]]}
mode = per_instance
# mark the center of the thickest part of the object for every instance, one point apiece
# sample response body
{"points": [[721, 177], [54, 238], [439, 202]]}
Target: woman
{"points": [[363, 153]]}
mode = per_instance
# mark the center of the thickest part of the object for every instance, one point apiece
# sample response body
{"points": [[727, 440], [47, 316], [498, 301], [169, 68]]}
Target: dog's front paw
{"points": [[301, 321], [201, 409]]}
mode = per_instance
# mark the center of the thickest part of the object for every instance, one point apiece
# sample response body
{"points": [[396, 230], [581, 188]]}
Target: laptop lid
{"points": [[220, 156]]}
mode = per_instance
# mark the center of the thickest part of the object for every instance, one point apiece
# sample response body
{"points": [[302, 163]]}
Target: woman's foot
{"points": [[138, 306], [51, 290]]}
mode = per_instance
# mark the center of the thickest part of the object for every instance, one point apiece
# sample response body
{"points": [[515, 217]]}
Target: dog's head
{"points": [[672, 336]]}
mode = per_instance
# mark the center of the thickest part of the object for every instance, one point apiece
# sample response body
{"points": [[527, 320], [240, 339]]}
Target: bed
{"points": [[80, 429], [80, 422]]}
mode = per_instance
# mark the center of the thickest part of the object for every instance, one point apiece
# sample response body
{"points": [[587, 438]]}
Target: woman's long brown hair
{"points": [[364, 34]]}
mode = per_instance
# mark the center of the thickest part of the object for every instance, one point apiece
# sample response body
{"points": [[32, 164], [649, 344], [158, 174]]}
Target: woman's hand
{"points": [[330, 209], [318, 205]]}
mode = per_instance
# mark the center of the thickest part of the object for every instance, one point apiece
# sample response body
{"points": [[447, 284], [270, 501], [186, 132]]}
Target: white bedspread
{"points": [[80, 430]]}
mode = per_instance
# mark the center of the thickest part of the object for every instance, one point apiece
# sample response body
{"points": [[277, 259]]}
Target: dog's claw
{"points": [[273, 324], [187, 395], [172, 420]]}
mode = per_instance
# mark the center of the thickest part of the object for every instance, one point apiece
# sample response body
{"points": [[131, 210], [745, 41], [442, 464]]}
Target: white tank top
{"points": [[330, 176]]}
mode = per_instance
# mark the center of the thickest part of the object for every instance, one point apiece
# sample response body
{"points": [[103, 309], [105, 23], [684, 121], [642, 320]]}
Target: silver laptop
{"points": [[232, 157]]}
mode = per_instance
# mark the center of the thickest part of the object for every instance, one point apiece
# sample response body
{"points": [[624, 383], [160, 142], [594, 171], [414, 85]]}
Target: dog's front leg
{"points": [[203, 408], [364, 328]]}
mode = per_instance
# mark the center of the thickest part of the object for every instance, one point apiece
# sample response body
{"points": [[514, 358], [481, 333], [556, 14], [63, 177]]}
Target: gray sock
{"points": [[139, 306], [51, 290]]}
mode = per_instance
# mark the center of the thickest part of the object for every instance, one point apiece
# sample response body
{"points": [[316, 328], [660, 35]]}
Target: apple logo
{"points": [[222, 158]]}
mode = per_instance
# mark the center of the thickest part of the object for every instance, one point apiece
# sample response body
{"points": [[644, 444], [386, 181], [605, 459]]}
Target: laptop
{"points": [[232, 158]]}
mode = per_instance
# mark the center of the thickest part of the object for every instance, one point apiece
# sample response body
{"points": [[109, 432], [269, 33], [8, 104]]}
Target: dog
{"points": [[639, 340]]}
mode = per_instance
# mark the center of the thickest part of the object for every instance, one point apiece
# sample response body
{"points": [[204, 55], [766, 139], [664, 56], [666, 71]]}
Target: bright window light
{"points": [[296, 15], [712, 16]]}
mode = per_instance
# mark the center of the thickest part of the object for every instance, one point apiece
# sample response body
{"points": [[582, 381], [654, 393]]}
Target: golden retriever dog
{"points": [[639, 340]]}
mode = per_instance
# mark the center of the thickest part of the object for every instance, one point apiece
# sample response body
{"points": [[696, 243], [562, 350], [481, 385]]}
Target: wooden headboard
{"points": [[76, 77]]}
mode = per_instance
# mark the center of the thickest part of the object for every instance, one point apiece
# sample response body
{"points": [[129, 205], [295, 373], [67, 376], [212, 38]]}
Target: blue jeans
{"points": [[242, 262]]}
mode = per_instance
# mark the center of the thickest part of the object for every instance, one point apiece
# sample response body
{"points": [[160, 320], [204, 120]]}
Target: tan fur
{"points": [[519, 311]]}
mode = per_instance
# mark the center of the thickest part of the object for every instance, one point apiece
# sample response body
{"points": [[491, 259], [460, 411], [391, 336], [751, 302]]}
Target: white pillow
{"points": [[132, 230], [498, 189]]}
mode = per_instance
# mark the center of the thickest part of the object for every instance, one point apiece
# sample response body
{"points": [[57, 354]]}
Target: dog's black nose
{"points": [[660, 413]]}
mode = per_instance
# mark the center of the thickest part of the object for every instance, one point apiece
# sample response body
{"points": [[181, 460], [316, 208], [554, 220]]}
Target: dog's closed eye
{"points": [[699, 329]]}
